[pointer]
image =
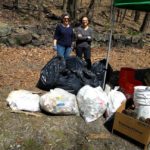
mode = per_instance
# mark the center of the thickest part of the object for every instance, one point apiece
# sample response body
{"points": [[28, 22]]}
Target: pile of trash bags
{"points": [[90, 102], [71, 74], [72, 89]]}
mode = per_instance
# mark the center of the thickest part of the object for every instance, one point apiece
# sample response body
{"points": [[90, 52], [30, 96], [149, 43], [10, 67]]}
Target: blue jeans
{"points": [[63, 51]]}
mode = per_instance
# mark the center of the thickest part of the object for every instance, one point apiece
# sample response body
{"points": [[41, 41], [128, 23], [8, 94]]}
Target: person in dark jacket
{"points": [[83, 41], [63, 37]]}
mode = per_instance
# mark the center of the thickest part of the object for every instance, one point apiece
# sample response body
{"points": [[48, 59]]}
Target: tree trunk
{"points": [[29, 7], [137, 16], [145, 23], [72, 8], [16, 4], [77, 7], [123, 15], [132, 14], [40, 9], [90, 9], [65, 5], [118, 14], [100, 1]]}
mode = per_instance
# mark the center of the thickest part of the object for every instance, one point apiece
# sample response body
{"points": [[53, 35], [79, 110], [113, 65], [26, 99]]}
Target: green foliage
{"points": [[133, 32]]}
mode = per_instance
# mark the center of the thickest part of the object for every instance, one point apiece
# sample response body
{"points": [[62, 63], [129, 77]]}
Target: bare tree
{"points": [[77, 7], [16, 4], [137, 16], [65, 2], [72, 7], [40, 2], [123, 15], [90, 10], [146, 22], [118, 16], [100, 1], [132, 14]]}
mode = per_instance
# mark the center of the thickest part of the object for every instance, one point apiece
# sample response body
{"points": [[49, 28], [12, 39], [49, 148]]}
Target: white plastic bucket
{"points": [[142, 101]]}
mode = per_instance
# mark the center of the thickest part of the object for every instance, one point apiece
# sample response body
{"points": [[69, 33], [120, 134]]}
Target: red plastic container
{"points": [[126, 75], [129, 86]]}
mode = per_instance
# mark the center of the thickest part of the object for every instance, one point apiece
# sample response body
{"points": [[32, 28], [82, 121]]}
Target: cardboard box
{"points": [[131, 127]]}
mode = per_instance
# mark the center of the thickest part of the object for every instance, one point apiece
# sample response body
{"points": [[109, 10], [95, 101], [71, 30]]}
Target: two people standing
{"points": [[64, 37]]}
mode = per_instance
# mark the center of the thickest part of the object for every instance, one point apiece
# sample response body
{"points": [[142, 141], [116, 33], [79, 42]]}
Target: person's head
{"points": [[85, 21], [65, 18]]}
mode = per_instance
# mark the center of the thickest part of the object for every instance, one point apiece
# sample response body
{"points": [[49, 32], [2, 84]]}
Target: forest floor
{"points": [[20, 69]]}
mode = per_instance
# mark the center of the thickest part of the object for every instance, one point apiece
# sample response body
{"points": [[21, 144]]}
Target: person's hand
{"points": [[71, 48], [89, 37], [55, 48], [79, 35]]}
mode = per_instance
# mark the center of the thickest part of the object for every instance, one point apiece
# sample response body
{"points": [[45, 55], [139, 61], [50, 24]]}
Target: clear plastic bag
{"points": [[92, 102], [23, 100], [59, 101]]}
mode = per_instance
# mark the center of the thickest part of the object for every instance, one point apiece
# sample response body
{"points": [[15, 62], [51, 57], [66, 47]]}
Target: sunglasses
{"points": [[85, 20], [66, 18]]}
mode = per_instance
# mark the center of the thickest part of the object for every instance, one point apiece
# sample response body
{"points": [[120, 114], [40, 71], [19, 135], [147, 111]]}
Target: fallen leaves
{"points": [[20, 67]]}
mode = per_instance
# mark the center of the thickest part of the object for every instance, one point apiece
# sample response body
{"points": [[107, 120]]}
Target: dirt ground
{"points": [[20, 69]]}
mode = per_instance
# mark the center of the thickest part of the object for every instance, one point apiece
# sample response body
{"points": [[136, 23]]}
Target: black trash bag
{"points": [[69, 82], [99, 69], [50, 73], [113, 80], [78, 66], [89, 78], [75, 64]]}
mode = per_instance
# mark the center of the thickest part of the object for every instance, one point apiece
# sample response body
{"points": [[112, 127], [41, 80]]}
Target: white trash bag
{"points": [[59, 101], [115, 98], [92, 102], [23, 100]]}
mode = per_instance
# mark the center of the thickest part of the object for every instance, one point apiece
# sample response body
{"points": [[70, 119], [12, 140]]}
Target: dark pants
{"points": [[87, 54]]}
